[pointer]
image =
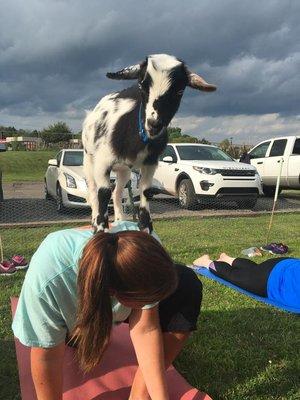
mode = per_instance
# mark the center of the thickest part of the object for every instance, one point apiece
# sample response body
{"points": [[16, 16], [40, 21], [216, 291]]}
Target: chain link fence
{"points": [[43, 187], [29, 202]]}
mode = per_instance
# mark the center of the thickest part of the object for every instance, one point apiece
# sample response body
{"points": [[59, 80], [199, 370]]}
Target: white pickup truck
{"points": [[266, 157], [198, 173]]}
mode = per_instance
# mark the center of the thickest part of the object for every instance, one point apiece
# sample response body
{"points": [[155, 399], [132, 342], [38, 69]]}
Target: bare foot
{"points": [[203, 261], [225, 258]]}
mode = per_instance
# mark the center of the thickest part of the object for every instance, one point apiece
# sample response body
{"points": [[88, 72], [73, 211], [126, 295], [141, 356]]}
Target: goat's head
{"points": [[162, 80]]}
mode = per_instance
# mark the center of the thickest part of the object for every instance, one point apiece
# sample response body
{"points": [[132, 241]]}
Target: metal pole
{"points": [[1, 250], [1, 190], [275, 199]]}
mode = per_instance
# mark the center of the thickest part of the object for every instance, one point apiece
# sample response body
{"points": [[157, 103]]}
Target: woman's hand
{"points": [[150, 380], [47, 371]]}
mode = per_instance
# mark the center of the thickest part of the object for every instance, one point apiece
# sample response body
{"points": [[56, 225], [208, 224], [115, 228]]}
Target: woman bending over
{"points": [[79, 284]]}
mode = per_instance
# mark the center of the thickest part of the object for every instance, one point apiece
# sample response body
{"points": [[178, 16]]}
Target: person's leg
{"points": [[271, 262], [178, 318], [203, 261], [226, 258], [246, 274]]}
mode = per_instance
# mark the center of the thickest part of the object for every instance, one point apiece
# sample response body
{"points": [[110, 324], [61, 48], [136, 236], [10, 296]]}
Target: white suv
{"points": [[196, 173], [65, 181]]}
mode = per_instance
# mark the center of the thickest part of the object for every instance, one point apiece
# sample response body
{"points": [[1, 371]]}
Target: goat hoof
{"points": [[145, 228]]}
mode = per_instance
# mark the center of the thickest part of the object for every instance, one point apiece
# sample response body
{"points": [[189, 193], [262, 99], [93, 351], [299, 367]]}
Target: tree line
{"points": [[59, 134]]}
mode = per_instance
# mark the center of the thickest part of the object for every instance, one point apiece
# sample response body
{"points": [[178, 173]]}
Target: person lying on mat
{"points": [[79, 284], [276, 278]]}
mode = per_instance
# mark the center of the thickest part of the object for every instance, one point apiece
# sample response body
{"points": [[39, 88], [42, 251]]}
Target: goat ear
{"points": [[131, 72], [196, 82]]}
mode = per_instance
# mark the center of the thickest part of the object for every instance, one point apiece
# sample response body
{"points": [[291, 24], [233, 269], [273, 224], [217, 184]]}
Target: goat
{"points": [[128, 129]]}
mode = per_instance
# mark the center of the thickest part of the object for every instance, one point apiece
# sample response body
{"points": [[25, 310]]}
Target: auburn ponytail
{"points": [[131, 264], [94, 316]]}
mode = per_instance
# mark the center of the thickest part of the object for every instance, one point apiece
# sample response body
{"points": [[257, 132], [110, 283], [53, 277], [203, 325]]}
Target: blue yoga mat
{"points": [[205, 272]]}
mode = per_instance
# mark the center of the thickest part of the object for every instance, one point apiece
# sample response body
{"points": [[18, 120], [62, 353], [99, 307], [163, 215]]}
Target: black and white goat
{"points": [[128, 129]]}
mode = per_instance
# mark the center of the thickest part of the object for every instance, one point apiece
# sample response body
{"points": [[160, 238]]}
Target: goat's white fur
{"points": [[98, 159]]}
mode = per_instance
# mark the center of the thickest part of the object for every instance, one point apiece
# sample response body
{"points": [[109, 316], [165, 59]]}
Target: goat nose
{"points": [[153, 122]]}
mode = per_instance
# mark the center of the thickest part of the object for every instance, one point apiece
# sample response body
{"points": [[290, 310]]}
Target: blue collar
{"points": [[142, 132]]}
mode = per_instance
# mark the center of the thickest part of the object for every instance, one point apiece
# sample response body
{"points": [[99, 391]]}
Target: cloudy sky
{"points": [[54, 55]]}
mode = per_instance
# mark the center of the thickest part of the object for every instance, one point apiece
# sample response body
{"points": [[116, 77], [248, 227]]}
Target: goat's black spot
{"points": [[101, 129], [126, 143], [155, 148], [144, 220], [148, 193], [104, 195]]}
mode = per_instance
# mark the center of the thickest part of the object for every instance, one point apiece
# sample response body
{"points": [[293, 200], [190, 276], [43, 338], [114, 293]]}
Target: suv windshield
{"points": [[73, 158], [202, 153]]}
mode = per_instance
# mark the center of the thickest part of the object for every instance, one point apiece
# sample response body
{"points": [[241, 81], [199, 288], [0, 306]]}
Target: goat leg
{"points": [[145, 222], [101, 222]]}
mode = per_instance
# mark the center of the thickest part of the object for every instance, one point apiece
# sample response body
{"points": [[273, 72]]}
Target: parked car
{"points": [[65, 181], [266, 158], [197, 173], [2, 146]]}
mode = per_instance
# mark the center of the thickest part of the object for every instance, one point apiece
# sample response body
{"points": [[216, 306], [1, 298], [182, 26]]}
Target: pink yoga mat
{"points": [[111, 380]]}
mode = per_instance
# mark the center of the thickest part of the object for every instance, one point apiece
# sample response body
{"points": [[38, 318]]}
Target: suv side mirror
{"points": [[53, 162], [168, 159]]}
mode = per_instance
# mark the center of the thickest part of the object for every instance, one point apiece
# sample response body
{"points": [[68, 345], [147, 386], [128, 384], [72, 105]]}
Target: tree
{"points": [[225, 145], [59, 132], [174, 133], [204, 141], [175, 136]]}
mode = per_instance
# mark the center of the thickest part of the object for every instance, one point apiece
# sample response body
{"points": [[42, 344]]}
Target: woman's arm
{"points": [[47, 371], [147, 341]]}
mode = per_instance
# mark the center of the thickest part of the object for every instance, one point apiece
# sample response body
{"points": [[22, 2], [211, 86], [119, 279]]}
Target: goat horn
{"points": [[196, 82], [131, 72]]}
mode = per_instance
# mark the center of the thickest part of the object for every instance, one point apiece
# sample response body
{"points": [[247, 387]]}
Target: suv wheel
{"points": [[46, 193], [59, 201], [186, 194], [269, 191]]}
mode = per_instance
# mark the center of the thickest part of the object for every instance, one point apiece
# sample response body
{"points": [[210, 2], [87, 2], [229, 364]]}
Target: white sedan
{"points": [[65, 182]]}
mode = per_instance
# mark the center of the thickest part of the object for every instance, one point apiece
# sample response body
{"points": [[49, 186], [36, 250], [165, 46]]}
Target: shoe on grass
{"points": [[19, 262], [7, 268], [275, 248]]}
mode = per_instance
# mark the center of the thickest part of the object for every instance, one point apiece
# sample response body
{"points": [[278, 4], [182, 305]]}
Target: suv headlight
{"points": [[70, 181], [207, 171]]}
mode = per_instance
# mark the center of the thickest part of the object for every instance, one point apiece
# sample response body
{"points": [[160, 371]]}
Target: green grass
{"points": [[242, 350], [21, 166]]}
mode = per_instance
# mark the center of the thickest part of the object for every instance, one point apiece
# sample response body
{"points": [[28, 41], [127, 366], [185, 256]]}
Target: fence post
{"points": [[1, 190]]}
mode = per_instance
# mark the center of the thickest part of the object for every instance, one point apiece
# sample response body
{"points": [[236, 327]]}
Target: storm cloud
{"points": [[54, 56]]}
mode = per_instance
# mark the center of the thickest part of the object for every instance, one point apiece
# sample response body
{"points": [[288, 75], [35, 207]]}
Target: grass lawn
{"points": [[20, 166], [242, 349]]}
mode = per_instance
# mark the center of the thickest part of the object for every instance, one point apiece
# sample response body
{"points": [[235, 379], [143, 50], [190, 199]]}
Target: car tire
{"points": [[247, 204], [46, 193], [269, 191], [59, 200], [186, 194]]}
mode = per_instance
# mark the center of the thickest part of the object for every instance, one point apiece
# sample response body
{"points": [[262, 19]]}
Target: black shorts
{"points": [[179, 312]]}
